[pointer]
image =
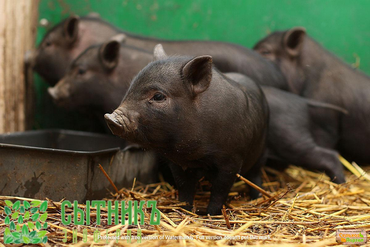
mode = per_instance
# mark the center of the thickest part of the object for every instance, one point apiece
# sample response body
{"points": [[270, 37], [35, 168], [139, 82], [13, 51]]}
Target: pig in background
{"points": [[64, 42], [173, 106], [296, 127], [315, 73], [68, 39], [95, 81]]}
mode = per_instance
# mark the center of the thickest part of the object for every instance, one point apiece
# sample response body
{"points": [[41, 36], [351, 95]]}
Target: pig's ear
{"points": [[120, 38], [70, 28], [159, 52], [293, 40], [198, 72], [109, 54]]}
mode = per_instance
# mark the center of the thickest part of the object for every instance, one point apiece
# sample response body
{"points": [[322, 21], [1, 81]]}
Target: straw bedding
{"points": [[298, 207]]}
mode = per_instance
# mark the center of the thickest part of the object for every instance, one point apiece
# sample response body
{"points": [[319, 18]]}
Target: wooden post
{"points": [[18, 23]]}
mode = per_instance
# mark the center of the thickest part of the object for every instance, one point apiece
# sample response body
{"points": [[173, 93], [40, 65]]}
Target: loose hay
{"points": [[304, 208]]}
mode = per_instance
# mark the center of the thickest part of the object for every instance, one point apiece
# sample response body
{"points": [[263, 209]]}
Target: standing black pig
{"points": [[315, 73], [71, 37], [185, 109]]}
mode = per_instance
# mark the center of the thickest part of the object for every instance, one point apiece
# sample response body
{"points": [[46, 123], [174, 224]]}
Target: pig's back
{"points": [[226, 56], [243, 82], [97, 31], [284, 104], [278, 100], [233, 58]]}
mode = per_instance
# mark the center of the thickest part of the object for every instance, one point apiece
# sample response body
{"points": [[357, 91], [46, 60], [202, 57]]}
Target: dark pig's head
{"points": [[64, 42], [160, 106], [285, 49], [282, 44], [53, 54], [88, 81]]}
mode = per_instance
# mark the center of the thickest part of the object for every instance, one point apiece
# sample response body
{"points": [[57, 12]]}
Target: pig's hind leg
{"points": [[296, 146], [327, 160], [222, 180]]}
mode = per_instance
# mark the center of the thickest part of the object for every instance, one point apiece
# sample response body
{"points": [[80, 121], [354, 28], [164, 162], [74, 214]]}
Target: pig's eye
{"points": [[81, 71], [159, 97], [265, 52], [48, 43]]}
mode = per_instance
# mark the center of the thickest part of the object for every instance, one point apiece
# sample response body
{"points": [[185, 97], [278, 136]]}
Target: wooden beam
{"points": [[18, 23]]}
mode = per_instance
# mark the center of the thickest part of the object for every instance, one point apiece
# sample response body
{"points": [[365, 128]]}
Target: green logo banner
{"points": [[26, 222]]}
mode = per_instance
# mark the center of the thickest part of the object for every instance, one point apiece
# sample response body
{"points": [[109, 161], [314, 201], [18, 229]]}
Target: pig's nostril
{"points": [[113, 124]]}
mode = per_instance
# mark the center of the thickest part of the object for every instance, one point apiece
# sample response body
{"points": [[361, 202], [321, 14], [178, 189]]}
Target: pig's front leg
{"points": [[222, 182], [186, 181]]}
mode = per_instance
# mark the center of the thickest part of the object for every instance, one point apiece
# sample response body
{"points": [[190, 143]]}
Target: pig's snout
{"points": [[60, 93], [29, 58], [53, 93], [113, 124], [122, 122]]}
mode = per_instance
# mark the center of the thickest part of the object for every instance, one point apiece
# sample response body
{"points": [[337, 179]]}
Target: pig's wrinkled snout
{"points": [[113, 124], [29, 58], [60, 93], [122, 122], [53, 93]]}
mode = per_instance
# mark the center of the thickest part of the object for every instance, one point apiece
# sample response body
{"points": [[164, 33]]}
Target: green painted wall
{"points": [[341, 26]]}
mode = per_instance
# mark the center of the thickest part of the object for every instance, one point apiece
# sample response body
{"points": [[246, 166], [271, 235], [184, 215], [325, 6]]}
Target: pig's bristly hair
{"points": [[158, 65]]}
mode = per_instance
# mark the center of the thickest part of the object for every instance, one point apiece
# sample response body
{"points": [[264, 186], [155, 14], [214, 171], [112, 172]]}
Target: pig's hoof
{"points": [[214, 210], [254, 194], [201, 211], [339, 179], [187, 207]]}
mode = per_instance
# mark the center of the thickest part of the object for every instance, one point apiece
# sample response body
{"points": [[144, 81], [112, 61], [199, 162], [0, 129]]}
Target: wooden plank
{"points": [[18, 22], [2, 66]]}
